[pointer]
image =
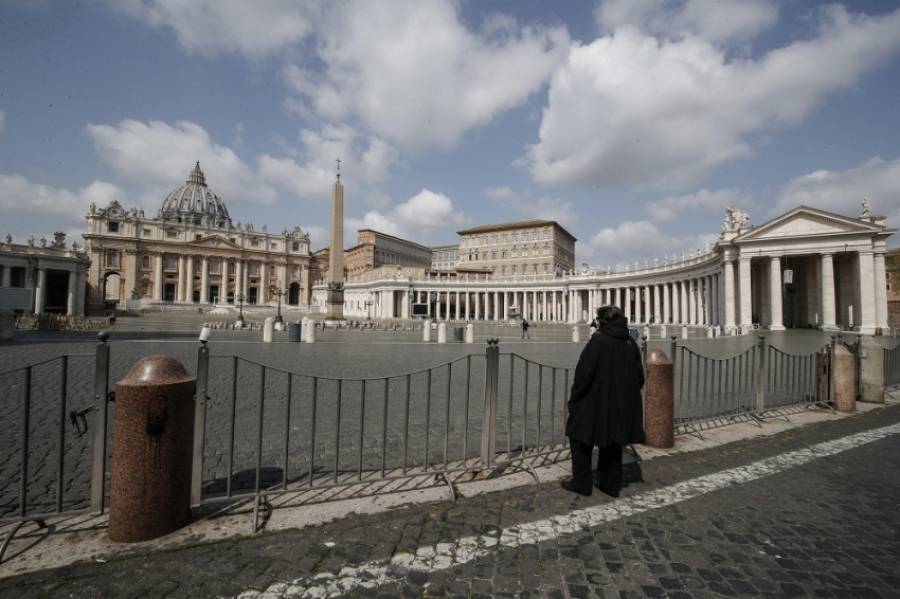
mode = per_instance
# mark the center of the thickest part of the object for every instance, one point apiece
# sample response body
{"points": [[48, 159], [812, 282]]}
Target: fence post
{"points": [[761, 376], [200, 398], [489, 421], [98, 449]]}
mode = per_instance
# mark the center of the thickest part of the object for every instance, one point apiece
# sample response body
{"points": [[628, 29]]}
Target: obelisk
{"points": [[335, 299]]}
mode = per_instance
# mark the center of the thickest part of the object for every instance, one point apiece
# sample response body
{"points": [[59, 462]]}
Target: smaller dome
{"points": [[196, 203]]}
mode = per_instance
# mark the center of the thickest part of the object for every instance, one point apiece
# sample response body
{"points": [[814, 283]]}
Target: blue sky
{"points": [[634, 123]]}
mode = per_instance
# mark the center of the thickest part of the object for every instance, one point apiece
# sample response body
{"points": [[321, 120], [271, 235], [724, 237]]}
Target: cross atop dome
{"points": [[197, 176]]}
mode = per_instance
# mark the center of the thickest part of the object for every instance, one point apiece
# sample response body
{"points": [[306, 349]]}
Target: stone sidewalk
{"points": [[821, 524]]}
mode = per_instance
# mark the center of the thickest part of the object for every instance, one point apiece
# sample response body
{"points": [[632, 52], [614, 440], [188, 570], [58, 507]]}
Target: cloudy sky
{"points": [[632, 122]]}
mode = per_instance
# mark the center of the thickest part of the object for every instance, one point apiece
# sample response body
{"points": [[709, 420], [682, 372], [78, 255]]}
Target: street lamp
{"points": [[240, 299], [278, 292]]}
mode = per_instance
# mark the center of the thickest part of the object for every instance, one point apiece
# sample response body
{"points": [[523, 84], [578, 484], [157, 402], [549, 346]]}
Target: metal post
{"points": [[489, 422], [761, 376], [98, 450], [200, 398]]}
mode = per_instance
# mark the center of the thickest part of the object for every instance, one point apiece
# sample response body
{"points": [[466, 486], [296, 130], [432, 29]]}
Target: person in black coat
{"points": [[605, 408]]}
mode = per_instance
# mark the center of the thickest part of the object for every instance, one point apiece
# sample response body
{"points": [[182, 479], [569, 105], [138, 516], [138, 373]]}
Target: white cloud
{"points": [[713, 20], [843, 191], [415, 75], [213, 26], [415, 219], [157, 157], [364, 163], [530, 206], [640, 240], [37, 206], [716, 200], [631, 108]]}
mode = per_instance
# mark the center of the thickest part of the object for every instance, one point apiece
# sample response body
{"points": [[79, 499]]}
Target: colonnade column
{"points": [[867, 294], [746, 295], [263, 283], [648, 310], [881, 314], [665, 303], [657, 313], [428, 304], [71, 292], [204, 280], [728, 266], [775, 301], [39, 291], [477, 305], [827, 292], [157, 277]]}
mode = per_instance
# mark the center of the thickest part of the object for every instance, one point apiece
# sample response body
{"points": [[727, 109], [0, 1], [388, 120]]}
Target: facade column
{"points": [[179, 290], [881, 311], [466, 304], [71, 292], [428, 304], [648, 304], [263, 283], [204, 280], [545, 316], [505, 305], [39, 290], [657, 313], [189, 279], [6, 281], [730, 323], [638, 316], [405, 305], [238, 279], [867, 302], [746, 301], [157, 278], [692, 301], [776, 316], [457, 306], [477, 305], [827, 293], [676, 303]]}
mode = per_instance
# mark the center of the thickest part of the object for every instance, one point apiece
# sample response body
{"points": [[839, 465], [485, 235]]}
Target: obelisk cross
{"points": [[338, 168]]}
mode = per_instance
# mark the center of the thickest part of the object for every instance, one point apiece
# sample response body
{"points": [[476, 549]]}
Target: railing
{"points": [[53, 466], [755, 383]]}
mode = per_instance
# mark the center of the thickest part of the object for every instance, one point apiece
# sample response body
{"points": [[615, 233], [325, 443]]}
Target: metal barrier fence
{"points": [[44, 470], [892, 366], [752, 383]]}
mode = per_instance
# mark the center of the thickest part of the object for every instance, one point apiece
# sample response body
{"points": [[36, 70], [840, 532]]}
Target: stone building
{"points": [[191, 253], [806, 268], [43, 278], [374, 249], [444, 257], [525, 247]]}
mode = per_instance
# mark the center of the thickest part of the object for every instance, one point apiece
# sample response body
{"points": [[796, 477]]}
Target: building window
{"points": [[171, 233], [254, 268], [112, 226], [147, 232], [215, 267], [513, 269], [145, 262], [255, 243], [170, 263], [295, 246], [197, 236], [112, 260], [231, 268]]}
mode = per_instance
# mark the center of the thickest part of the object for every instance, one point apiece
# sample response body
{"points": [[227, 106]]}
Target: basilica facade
{"points": [[191, 253]]}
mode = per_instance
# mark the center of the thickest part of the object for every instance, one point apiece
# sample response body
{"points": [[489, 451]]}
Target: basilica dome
{"points": [[195, 203]]}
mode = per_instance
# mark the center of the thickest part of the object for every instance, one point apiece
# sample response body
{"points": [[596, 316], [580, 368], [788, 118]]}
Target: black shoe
{"points": [[572, 486], [609, 489]]}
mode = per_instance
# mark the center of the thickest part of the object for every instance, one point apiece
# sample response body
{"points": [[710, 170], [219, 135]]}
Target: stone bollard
{"points": [[684, 332], [426, 331], [268, 327], [152, 442], [872, 370], [442, 333], [662, 331], [576, 334], [309, 331], [470, 333], [710, 332], [843, 379], [659, 404]]}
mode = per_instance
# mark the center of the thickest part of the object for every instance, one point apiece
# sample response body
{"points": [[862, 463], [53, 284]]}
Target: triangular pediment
{"points": [[214, 241], [808, 222]]}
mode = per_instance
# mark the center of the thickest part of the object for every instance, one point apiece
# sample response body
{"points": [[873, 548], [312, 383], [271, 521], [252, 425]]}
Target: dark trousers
{"points": [[609, 464]]}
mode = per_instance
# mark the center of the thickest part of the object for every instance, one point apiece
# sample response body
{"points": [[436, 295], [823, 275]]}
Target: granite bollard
{"points": [[470, 333], [309, 331], [844, 382], [426, 330], [872, 370], [576, 334], [152, 442], [268, 327], [659, 404], [442, 333]]}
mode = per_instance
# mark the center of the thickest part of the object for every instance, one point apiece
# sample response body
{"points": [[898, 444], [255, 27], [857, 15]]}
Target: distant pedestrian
{"points": [[525, 326], [605, 405]]}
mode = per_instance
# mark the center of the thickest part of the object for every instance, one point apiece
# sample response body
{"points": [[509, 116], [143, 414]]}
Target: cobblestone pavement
{"points": [[820, 526]]}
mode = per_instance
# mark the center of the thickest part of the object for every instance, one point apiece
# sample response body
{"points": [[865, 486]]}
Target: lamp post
{"points": [[240, 299], [278, 292]]}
